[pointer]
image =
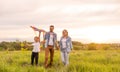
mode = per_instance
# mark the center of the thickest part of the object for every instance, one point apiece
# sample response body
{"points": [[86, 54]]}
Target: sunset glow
{"points": [[86, 22]]}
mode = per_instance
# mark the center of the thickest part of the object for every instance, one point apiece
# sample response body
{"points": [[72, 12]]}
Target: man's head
{"points": [[51, 28]]}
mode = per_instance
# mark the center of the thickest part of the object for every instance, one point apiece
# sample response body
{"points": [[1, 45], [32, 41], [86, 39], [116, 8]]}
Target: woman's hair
{"points": [[65, 31]]}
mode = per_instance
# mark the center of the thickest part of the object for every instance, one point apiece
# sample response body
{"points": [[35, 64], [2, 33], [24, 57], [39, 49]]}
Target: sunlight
{"points": [[74, 9], [99, 34], [46, 9]]}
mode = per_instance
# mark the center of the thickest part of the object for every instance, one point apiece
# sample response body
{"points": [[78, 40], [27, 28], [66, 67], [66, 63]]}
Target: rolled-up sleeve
{"points": [[45, 37], [55, 36], [71, 46]]}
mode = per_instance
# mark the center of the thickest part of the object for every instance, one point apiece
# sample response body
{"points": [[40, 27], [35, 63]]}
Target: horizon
{"points": [[86, 21]]}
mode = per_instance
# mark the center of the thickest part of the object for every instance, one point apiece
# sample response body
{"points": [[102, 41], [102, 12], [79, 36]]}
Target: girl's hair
{"points": [[65, 31]]}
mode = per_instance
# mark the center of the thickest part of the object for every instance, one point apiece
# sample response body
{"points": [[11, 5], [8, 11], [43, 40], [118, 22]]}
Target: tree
{"points": [[4, 45], [92, 46]]}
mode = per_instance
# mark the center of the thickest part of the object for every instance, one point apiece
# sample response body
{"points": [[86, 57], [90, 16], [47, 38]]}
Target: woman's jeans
{"points": [[65, 57]]}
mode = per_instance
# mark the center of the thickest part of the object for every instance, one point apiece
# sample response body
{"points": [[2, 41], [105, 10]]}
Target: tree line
{"points": [[17, 45]]}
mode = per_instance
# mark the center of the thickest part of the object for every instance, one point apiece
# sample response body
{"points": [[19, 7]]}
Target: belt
{"points": [[50, 45]]}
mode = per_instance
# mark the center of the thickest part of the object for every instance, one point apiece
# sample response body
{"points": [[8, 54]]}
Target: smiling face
{"points": [[36, 39], [65, 33]]}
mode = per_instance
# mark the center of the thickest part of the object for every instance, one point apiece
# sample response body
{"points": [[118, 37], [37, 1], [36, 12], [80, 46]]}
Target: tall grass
{"points": [[80, 61]]}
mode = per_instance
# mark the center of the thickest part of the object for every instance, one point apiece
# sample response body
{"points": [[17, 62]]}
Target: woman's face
{"points": [[65, 33]]}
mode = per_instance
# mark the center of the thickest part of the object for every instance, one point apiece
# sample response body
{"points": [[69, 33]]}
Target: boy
{"points": [[35, 51], [36, 46]]}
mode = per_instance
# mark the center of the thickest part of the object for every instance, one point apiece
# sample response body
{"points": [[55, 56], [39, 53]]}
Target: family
{"points": [[50, 41]]}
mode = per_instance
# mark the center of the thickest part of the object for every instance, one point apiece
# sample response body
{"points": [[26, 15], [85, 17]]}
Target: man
{"points": [[50, 41]]}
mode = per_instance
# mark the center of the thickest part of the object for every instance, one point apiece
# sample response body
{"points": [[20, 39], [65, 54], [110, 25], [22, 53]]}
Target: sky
{"points": [[86, 20]]}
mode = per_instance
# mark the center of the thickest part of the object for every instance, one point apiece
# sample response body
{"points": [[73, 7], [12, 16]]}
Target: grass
{"points": [[80, 61]]}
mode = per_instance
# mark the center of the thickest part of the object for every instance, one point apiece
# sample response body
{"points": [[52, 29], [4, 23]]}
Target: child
{"points": [[35, 51], [36, 46]]}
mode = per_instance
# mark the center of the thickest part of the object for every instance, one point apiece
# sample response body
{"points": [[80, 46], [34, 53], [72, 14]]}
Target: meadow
{"points": [[80, 61]]}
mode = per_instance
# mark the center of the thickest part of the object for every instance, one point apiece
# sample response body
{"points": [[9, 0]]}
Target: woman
{"points": [[65, 47]]}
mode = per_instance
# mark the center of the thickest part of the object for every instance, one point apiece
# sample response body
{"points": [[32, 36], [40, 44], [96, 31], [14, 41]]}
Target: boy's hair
{"points": [[36, 37]]}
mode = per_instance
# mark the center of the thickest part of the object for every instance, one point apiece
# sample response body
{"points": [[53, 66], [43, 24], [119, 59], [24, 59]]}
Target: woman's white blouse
{"points": [[64, 42]]}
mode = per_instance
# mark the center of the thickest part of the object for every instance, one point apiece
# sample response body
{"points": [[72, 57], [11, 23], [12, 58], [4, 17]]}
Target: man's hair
{"points": [[51, 25]]}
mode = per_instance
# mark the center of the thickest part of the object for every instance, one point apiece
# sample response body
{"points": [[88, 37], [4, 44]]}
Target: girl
{"points": [[65, 47]]}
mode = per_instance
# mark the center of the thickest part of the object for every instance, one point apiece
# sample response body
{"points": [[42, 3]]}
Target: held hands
{"points": [[57, 47], [43, 42]]}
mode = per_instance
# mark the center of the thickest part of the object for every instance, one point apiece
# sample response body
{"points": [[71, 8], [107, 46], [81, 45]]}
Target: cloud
{"points": [[17, 15]]}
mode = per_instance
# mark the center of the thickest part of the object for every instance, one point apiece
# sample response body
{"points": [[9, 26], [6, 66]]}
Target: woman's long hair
{"points": [[66, 32]]}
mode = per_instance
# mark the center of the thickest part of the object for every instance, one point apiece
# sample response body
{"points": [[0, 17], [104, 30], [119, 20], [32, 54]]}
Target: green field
{"points": [[80, 61]]}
